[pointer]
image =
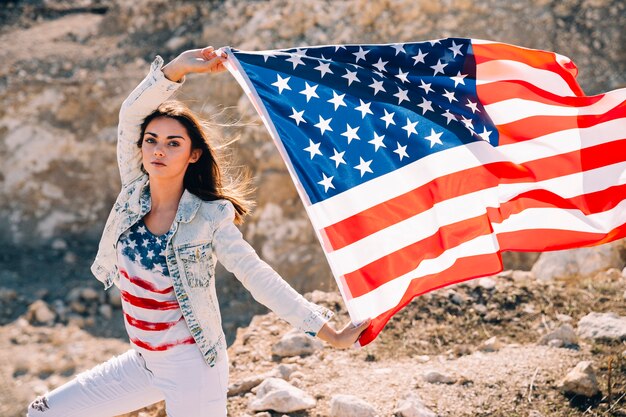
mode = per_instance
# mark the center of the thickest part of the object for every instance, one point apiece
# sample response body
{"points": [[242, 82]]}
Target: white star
{"points": [[351, 133], [468, 123], [449, 95], [301, 52], [309, 91], [364, 166], [425, 105], [324, 68], [132, 244], [433, 43], [267, 54], [410, 127], [377, 86], [327, 182], [402, 95], [380, 65], [473, 106], [377, 141], [402, 76], [145, 243], [434, 138], [426, 87], [297, 116], [351, 76], [281, 83], [401, 151], [456, 49], [449, 116], [438, 67], [337, 100], [295, 59], [338, 47], [150, 254], [399, 47], [364, 108], [138, 257], [158, 268], [338, 158], [324, 125], [142, 230], [158, 240], [458, 79], [388, 118], [360, 55], [313, 148], [419, 58], [485, 134]]}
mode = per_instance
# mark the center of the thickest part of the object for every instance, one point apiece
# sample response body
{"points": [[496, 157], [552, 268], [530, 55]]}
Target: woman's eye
{"points": [[149, 140], [174, 143]]}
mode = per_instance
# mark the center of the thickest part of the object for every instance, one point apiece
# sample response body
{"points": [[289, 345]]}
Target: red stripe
{"points": [[149, 303], [150, 326], [535, 58], [537, 126], [165, 346], [462, 270], [395, 210], [506, 90], [146, 285]]}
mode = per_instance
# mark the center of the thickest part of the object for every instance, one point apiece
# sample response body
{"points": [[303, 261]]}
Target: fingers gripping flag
{"points": [[419, 163]]}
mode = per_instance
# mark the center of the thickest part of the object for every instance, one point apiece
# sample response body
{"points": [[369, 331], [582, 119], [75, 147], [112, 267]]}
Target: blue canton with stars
{"points": [[349, 113], [142, 247]]}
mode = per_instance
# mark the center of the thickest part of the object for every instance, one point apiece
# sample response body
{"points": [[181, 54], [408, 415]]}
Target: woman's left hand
{"points": [[345, 337]]}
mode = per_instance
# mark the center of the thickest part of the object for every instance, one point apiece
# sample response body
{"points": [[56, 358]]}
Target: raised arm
{"points": [[158, 86]]}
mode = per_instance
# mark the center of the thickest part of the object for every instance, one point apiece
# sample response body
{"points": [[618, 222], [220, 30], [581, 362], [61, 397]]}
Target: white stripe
{"points": [[416, 228], [507, 70], [412, 176], [507, 111], [388, 295]]}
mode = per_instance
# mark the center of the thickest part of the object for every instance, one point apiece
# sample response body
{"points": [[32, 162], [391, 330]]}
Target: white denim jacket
{"points": [[203, 232]]}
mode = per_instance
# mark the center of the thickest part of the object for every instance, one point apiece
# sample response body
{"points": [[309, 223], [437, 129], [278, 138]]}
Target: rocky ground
{"points": [[498, 346]]}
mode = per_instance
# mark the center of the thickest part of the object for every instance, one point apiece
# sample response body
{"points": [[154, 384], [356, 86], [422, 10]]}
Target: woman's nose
{"points": [[158, 151]]}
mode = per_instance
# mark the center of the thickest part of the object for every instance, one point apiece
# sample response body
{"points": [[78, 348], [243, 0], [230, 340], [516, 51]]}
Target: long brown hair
{"points": [[211, 177]]}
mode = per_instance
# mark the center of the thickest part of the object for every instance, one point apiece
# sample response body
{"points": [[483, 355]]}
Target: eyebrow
{"points": [[169, 137]]}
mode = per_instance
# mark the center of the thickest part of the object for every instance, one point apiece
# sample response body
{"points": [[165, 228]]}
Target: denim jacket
{"points": [[203, 232]]}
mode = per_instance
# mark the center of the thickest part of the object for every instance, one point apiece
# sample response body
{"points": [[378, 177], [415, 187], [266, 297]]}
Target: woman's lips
{"points": [[157, 163]]}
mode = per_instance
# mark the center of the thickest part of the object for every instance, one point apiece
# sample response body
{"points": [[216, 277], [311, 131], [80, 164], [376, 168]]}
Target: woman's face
{"points": [[166, 149]]}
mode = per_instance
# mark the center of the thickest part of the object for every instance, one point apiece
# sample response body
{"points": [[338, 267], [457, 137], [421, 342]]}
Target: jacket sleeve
{"points": [[145, 98], [265, 284]]}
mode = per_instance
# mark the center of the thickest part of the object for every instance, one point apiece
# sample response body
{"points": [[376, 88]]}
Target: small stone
{"points": [[78, 307], [105, 311], [279, 395], [263, 414], [412, 406], [490, 345], [580, 381], [70, 258], [296, 343], [40, 312], [175, 43], [564, 333], [284, 371], [89, 294], [555, 343], [564, 318], [522, 276], [7, 295], [487, 283], [436, 377], [423, 358], [59, 244], [602, 326], [245, 385], [350, 406], [480, 308]]}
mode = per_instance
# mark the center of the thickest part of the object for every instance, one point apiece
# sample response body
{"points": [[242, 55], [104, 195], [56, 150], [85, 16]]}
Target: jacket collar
{"points": [[187, 206]]}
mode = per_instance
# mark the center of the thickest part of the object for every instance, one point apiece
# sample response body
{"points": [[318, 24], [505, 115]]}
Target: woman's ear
{"points": [[195, 155]]}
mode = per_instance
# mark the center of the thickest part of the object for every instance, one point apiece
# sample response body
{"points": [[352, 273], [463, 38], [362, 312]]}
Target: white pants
{"points": [[131, 381]]}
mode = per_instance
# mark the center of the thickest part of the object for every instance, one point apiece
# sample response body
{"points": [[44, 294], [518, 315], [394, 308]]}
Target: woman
{"points": [[171, 221]]}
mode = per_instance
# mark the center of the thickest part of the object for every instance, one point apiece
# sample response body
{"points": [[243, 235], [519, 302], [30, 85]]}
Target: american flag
{"points": [[419, 163]]}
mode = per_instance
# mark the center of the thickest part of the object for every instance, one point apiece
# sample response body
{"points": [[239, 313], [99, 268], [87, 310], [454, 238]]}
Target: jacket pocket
{"points": [[196, 263]]}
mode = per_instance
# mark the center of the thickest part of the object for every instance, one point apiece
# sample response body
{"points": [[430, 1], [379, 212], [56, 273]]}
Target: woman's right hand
{"points": [[194, 60]]}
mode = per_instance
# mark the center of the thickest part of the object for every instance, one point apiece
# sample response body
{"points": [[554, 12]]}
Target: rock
{"points": [[564, 318], [522, 275], [279, 395], [89, 294], [412, 406], [436, 377], [40, 312], [175, 43], [245, 385], [490, 345], [78, 307], [565, 334], [7, 295], [105, 311], [602, 326], [584, 262], [611, 274], [487, 283], [284, 371], [59, 244], [422, 358], [350, 406], [296, 343], [580, 381]]}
